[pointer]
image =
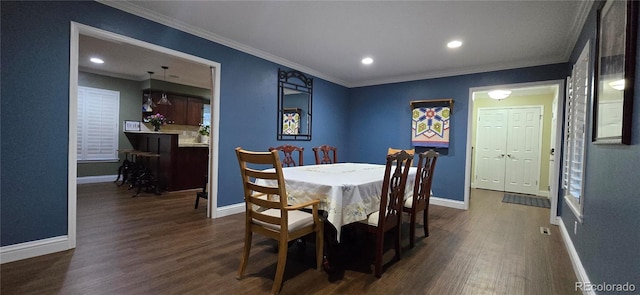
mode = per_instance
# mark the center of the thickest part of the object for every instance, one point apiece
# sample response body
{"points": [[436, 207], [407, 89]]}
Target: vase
{"points": [[204, 138], [156, 128]]}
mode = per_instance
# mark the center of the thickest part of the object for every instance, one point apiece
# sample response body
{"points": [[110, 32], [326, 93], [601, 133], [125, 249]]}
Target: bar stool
{"points": [[145, 177], [141, 175], [125, 168]]}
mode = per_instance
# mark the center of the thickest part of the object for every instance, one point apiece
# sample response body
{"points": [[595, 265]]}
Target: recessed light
{"points": [[96, 60], [454, 44], [367, 60]]}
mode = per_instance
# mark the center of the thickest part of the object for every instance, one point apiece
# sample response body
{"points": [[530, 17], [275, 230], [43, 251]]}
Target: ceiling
{"points": [[407, 40]]}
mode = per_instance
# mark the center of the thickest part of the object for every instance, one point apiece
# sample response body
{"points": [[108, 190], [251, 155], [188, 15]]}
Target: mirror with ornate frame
{"points": [[295, 93]]}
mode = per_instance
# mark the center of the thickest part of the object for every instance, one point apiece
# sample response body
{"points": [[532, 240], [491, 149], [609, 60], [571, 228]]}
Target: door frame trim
{"points": [[76, 30], [553, 192]]}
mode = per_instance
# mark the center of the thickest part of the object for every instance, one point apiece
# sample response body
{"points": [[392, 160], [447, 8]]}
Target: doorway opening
{"points": [[212, 72], [512, 141]]}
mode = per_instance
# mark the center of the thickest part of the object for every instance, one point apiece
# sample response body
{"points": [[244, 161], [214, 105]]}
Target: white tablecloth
{"points": [[347, 191]]}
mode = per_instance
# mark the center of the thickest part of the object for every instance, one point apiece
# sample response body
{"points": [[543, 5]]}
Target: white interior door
{"points": [[522, 168], [491, 137], [508, 149]]}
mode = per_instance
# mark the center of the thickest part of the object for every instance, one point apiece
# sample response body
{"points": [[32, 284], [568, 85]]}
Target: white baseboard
{"points": [[34, 248], [230, 210], [543, 194], [581, 273], [446, 203], [96, 179]]}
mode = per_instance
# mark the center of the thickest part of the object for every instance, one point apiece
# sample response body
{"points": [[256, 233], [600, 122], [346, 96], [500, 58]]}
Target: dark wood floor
{"points": [[161, 245]]}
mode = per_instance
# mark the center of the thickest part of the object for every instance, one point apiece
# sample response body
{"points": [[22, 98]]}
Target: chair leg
{"points": [[282, 261], [426, 223], [379, 252], [245, 254], [398, 239], [320, 246], [197, 201], [412, 229]]}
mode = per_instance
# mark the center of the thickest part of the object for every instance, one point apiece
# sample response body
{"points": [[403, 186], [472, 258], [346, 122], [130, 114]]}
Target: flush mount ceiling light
{"points": [[96, 60], [367, 60], [499, 94], [617, 84], [454, 44]]}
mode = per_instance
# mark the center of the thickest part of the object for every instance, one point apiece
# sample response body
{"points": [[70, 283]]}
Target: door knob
{"points": [[509, 155]]}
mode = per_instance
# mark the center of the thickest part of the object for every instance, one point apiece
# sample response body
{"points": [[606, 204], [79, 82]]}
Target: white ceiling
{"points": [[407, 40]]}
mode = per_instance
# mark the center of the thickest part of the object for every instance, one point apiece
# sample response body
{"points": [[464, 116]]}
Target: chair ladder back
{"points": [[392, 151], [393, 188], [288, 150], [424, 179], [326, 157]]}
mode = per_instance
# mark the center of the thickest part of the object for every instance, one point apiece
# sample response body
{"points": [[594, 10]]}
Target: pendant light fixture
{"points": [[164, 100], [148, 105]]}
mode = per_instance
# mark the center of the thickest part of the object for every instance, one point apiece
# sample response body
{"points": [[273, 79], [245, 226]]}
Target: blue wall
{"points": [[34, 108], [608, 239], [361, 122], [381, 118]]}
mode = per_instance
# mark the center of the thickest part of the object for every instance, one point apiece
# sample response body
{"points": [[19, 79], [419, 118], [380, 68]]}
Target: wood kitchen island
{"points": [[180, 165]]}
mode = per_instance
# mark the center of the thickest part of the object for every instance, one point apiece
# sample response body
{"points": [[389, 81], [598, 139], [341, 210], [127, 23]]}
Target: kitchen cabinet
{"points": [[179, 110], [184, 110], [194, 111]]}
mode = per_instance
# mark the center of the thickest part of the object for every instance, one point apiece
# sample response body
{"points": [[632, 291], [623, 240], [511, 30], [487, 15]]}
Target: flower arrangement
{"points": [[156, 121], [204, 130]]}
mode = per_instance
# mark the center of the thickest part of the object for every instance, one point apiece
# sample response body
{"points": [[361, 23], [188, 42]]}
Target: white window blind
{"points": [[575, 132], [98, 113]]}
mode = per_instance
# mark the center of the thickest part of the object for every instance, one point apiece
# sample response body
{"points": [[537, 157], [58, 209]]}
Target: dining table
{"points": [[348, 192]]}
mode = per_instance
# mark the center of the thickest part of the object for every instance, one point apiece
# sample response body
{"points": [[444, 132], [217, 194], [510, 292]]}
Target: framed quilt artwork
{"points": [[291, 121], [430, 122]]}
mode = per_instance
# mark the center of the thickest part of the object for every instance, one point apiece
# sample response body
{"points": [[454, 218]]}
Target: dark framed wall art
{"points": [[614, 72]]}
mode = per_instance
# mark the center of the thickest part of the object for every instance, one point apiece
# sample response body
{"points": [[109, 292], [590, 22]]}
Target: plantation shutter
{"points": [[567, 142], [575, 135], [98, 116]]}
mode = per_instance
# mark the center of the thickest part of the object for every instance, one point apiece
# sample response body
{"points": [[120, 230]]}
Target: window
{"points": [[98, 113], [575, 133], [206, 114]]}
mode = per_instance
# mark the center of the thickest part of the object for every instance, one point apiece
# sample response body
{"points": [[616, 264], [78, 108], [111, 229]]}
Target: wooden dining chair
{"points": [[325, 158], [203, 194], [268, 214], [391, 151], [288, 150], [421, 193], [389, 216]]}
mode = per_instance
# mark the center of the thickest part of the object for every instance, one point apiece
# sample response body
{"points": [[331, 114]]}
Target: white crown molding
{"points": [[113, 75], [459, 72], [576, 26], [170, 22], [574, 31]]}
